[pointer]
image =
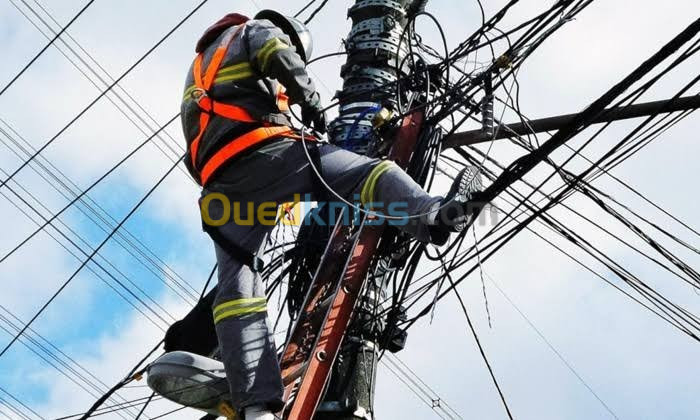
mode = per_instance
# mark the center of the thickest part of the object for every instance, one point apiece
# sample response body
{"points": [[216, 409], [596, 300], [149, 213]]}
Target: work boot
{"points": [[458, 209]]}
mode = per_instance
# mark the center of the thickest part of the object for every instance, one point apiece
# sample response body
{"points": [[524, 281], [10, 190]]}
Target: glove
{"points": [[313, 115]]}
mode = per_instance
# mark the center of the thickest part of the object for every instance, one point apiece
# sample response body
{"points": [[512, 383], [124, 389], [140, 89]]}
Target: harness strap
{"points": [[240, 144], [232, 112], [202, 86], [208, 106]]}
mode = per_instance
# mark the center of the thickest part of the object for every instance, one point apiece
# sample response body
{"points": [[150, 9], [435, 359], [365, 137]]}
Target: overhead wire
{"points": [[315, 12], [36, 57], [467, 315], [637, 284], [90, 187], [104, 92], [58, 359], [100, 78], [93, 270], [84, 251], [525, 164], [25, 406], [303, 9], [137, 370], [89, 258], [554, 350], [12, 409], [617, 179], [431, 393], [480, 346], [99, 216]]}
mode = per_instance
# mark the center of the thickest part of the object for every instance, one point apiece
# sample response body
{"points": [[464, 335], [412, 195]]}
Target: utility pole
{"points": [[376, 52]]}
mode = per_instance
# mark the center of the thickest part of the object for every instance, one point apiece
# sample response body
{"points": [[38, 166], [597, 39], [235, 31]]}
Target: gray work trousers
{"points": [[274, 174]]}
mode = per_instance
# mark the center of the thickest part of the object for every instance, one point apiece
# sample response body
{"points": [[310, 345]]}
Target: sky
{"points": [[550, 317]]}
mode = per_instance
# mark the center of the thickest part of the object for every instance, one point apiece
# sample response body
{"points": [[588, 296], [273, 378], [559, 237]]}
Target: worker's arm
{"points": [[272, 54]]}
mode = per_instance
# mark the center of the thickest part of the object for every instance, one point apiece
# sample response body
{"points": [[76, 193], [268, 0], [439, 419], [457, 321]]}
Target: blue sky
{"points": [[639, 366]]}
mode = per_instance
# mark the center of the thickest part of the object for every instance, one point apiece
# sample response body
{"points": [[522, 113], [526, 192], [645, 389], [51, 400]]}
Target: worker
{"points": [[242, 151]]}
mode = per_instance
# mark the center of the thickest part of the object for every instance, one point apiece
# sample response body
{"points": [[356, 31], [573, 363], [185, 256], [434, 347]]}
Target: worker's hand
{"points": [[313, 115]]}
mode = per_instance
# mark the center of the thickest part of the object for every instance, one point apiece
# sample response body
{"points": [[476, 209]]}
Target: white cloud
{"points": [[640, 366]]}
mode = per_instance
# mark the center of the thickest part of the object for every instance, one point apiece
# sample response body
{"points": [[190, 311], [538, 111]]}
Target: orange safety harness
{"points": [[236, 146], [209, 106]]}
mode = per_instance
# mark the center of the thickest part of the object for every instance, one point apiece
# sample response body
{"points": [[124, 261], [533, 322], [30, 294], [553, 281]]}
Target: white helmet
{"points": [[297, 31]]}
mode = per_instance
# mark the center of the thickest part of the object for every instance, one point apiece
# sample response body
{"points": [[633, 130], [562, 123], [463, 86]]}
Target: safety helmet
{"points": [[297, 31]]}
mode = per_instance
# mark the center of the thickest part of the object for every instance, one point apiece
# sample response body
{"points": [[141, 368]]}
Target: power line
{"points": [[100, 217], [315, 12], [13, 410], [130, 376], [125, 103], [91, 186], [480, 347], [90, 268], [20, 403], [436, 400], [99, 265], [31, 62], [544, 339], [101, 95], [525, 164], [92, 254], [67, 364]]}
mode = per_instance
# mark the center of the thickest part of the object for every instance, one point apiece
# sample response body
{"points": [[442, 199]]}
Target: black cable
{"points": [[63, 368], [89, 208], [21, 403], [589, 191], [206, 285], [523, 165], [478, 344], [36, 57], [84, 252], [303, 9], [92, 254], [322, 57], [148, 401], [606, 171], [103, 93], [315, 12], [95, 183], [114, 408], [128, 378], [626, 276], [136, 112]]}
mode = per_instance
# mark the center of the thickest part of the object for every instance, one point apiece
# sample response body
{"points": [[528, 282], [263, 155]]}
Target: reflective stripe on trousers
{"points": [[238, 308]]}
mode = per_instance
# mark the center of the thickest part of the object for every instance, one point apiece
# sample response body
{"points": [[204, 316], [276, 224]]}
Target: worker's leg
{"points": [[264, 178], [362, 179], [280, 172], [273, 176], [242, 326]]}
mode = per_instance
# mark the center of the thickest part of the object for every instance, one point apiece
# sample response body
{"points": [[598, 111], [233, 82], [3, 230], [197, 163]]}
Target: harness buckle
{"points": [[198, 94]]}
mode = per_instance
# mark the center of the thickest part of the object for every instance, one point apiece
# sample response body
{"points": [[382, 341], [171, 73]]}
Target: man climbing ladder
{"points": [[244, 153]]}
